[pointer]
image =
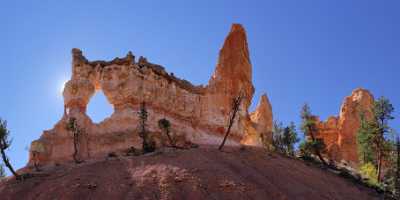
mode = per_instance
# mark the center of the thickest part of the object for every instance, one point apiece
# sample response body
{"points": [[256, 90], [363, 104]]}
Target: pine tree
{"points": [[72, 126], [147, 144], [5, 143], [308, 126], [290, 138], [277, 137], [373, 145]]}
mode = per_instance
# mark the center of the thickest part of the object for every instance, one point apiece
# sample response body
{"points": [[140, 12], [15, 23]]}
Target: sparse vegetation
{"points": [[148, 145], [73, 127], [5, 143], [311, 145], [236, 101]]}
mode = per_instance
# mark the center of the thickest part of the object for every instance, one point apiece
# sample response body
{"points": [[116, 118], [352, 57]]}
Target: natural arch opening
{"points": [[99, 108]]}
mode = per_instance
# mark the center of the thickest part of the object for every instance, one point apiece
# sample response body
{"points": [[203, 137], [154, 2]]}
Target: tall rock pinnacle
{"points": [[361, 100], [262, 118], [263, 114], [233, 73], [340, 133]]}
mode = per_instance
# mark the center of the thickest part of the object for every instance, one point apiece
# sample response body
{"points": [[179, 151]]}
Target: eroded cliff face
{"points": [[340, 133], [197, 114]]}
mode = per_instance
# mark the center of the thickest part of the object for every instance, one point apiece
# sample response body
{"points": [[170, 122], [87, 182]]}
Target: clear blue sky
{"points": [[301, 51]]}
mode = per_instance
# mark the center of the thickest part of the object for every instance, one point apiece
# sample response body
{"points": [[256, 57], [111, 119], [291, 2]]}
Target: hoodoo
{"points": [[197, 114], [340, 133]]}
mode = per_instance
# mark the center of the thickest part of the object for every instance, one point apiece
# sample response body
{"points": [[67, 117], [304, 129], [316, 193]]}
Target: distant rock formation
{"points": [[197, 114], [340, 133]]}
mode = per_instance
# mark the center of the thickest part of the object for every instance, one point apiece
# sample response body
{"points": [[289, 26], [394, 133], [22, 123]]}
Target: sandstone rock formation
{"points": [[340, 133], [197, 114], [262, 118]]}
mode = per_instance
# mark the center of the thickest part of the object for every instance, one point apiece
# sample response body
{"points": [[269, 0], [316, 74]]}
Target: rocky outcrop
{"points": [[262, 118], [197, 114], [340, 133]]}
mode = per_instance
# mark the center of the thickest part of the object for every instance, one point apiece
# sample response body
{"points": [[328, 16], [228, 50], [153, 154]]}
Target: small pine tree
{"points": [[365, 140], [290, 138], [5, 143], [312, 144], [148, 145], [277, 137], [72, 126], [165, 126]]}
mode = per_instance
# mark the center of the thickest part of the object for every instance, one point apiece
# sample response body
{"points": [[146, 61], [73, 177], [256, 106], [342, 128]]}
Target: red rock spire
{"points": [[234, 72]]}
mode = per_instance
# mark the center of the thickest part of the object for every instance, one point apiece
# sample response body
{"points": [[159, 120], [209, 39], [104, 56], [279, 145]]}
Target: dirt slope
{"points": [[203, 173]]}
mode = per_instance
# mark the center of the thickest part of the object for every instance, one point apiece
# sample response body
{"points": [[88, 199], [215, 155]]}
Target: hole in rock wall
{"points": [[99, 108]]}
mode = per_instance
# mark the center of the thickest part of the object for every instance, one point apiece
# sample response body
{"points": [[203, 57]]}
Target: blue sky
{"points": [[301, 51]]}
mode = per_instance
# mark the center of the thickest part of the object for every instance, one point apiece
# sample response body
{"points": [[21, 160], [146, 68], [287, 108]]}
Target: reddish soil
{"points": [[203, 173]]}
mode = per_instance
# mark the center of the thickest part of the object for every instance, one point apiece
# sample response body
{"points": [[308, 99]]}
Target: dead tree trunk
{"points": [[235, 108]]}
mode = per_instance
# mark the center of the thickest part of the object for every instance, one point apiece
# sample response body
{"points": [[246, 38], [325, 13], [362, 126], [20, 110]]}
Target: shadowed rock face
{"points": [[340, 133], [197, 114]]}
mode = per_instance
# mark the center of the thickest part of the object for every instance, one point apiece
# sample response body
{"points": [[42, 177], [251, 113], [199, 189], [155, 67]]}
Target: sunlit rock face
{"points": [[198, 114], [262, 118], [340, 133]]}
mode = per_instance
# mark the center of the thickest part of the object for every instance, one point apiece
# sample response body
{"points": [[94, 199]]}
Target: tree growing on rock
{"points": [[165, 126], [148, 145], [73, 127], [236, 101], [308, 126], [372, 135], [5, 143]]}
